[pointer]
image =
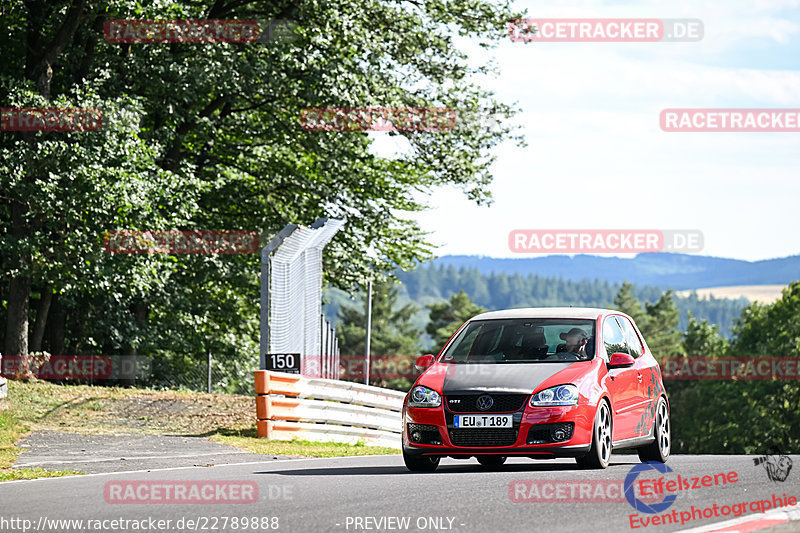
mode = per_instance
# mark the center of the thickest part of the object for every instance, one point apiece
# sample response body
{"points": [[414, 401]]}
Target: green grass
{"points": [[247, 440], [12, 430], [224, 418], [12, 474]]}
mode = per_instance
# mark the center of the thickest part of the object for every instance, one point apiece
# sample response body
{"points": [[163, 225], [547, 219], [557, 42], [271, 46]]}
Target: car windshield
{"points": [[523, 340]]}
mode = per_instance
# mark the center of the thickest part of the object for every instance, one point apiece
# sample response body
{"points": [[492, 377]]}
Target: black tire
{"points": [[491, 460], [659, 449], [600, 453], [420, 463]]}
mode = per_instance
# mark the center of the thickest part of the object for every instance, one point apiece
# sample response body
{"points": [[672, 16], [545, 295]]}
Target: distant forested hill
{"points": [[668, 271], [429, 284], [584, 280], [502, 290]]}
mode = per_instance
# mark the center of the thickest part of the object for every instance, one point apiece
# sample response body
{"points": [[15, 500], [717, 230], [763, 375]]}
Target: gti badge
{"points": [[484, 403]]}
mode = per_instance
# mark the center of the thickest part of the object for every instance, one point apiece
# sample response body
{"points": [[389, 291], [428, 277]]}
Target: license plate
{"points": [[483, 421]]}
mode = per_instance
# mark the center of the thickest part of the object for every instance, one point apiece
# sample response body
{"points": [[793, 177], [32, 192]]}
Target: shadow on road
{"points": [[469, 467]]}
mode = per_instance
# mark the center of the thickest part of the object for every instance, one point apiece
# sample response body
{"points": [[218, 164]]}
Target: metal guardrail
{"points": [[291, 292], [289, 407]]}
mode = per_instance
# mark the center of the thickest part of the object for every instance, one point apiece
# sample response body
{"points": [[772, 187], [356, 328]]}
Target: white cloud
{"points": [[597, 157]]}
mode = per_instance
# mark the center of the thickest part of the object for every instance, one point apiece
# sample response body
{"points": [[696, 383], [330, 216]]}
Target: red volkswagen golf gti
{"points": [[539, 383]]}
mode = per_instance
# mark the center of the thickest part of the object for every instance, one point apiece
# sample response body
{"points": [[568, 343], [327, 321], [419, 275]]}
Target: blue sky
{"points": [[596, 157]]}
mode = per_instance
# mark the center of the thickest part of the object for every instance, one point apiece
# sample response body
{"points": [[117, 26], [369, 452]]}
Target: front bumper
{"points": [[529, 423]]}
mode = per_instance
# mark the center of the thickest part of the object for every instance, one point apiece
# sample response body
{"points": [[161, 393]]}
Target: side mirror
{"points": [[424, 361], [620, 360]]}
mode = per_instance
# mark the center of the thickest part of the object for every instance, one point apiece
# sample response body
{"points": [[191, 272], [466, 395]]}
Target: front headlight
{"points": [[424, 397], [560, 395]]}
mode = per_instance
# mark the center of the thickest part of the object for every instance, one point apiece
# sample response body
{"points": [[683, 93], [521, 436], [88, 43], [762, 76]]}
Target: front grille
{"points": [[544, 433], [483, 437], [424, 434], [503, 403]]}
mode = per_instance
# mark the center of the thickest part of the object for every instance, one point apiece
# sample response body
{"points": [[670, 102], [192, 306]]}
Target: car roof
{"points": [[547, 312]]}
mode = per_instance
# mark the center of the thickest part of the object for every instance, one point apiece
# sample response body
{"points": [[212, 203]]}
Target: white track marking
{"points": [[284, 461]]}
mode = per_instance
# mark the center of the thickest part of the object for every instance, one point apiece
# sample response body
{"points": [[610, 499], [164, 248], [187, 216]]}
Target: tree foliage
{"points": [[703, 339], [392, 332], [727, 416], [447, 317], [207, 136], [742, 416], [501, 290]]}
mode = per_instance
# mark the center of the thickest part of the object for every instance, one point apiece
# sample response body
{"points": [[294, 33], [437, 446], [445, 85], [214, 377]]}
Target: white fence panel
{"points": [[290, 407]]}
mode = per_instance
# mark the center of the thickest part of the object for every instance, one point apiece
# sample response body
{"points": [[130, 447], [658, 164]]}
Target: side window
{"points": [[613, 337], [631, 338]]}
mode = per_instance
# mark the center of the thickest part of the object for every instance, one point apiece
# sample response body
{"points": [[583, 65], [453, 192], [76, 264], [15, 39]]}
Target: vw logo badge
{"points": [[484, 402]]}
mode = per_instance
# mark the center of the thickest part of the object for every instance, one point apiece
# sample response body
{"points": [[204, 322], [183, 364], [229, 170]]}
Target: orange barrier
{"points": [[289, 406], [272, 383]]}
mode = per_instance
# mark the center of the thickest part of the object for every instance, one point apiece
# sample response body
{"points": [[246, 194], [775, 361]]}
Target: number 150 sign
{"points": [[284, 362]]}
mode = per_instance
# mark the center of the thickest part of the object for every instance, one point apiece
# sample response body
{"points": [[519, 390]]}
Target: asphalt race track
{"points": [[377, 493]]}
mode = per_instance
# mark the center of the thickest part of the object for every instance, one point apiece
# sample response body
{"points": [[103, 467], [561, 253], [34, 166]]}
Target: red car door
{"points": [[650, 387], [622, 383]]}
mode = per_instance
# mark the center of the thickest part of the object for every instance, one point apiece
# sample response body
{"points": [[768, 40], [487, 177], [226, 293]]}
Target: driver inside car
{"points": [[575, 342]]}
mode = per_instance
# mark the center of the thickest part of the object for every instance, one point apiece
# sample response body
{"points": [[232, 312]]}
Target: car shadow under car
{"points": [[467, 467]]}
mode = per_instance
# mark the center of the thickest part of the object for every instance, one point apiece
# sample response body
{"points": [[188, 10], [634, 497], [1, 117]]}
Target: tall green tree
{"points": [[703, 339], [661, 326], [627, 302], [657, 321], [772, 330], [201, 136], [392, 330], [742, 416], [447, 317], [392, 333]]}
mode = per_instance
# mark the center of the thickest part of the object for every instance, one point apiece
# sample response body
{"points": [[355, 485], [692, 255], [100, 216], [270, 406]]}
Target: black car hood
{"points": [[514, 377]]}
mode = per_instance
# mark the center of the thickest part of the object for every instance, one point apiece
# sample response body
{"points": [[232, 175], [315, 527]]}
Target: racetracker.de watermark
{"points": [[730, 120], [139, 31], [605, 30], [50, 119], [75, 367], [385, 367], [181, 242], [378, 119], [570, 491], [731, 368], [198, 522], [181, 492], [577, 241], [641, 491], [381, 367]]}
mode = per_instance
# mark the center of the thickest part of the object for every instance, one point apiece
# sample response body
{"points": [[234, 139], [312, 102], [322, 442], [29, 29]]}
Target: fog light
{"points": [[416, 436], [559, 434]]}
